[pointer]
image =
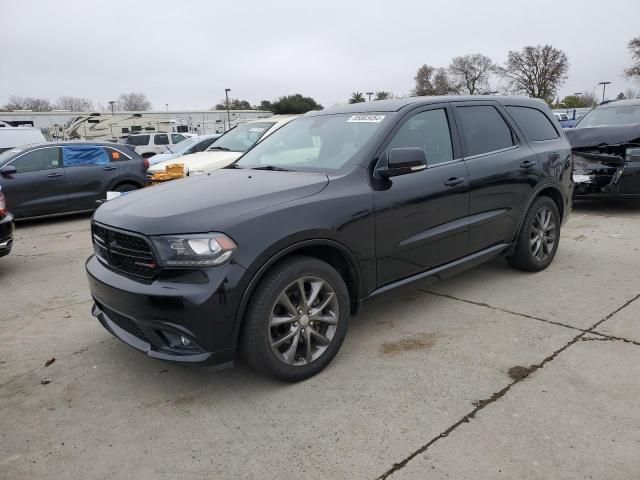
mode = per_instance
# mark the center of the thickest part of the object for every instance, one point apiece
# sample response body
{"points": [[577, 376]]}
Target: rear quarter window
{"points": [[535, 124], [161, 139]]}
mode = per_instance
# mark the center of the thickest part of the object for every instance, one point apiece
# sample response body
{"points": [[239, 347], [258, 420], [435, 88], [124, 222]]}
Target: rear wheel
{"points": [[125, 187], [297, 319], [537, 243]]}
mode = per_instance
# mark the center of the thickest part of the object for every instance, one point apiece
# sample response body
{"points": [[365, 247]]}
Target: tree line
{"points": [[535, 71]]}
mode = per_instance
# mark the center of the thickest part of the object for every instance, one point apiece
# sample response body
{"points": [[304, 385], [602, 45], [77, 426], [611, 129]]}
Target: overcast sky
{"points": [[186, 52]]}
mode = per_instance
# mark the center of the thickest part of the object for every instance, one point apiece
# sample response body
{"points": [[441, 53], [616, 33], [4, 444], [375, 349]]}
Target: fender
{"points": [[125, 179], [257, 276], [535, 194]]}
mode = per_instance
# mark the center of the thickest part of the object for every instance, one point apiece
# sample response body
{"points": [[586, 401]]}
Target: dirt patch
{"points": [[417, 342], [518, 372]]}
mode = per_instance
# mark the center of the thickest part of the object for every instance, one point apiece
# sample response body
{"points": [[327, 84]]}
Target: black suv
{"points": [[272, 255], [58, 178]]}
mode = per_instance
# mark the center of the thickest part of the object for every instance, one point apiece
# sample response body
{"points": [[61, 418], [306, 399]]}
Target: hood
{"points": [[205, 161], [161, 157], [605, 135], [206, 203]]}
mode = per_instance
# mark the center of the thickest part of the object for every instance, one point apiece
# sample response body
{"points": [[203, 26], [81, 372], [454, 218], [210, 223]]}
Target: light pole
{"points": [[369, 95], [112, 103], [226, 94], [604, 87]]}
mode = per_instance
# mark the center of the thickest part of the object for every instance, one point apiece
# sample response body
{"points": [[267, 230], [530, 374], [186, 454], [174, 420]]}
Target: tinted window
{"points": [[84, 155], [115, 155], [534, 123], [161, 139], [429, 131], [175, 138], [41, 159], [483, 129], [138, 140]]}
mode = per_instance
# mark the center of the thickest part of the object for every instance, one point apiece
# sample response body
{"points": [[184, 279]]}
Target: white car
{"points": [[11, 137], [149, 144], [229, 147], [195, 144]]}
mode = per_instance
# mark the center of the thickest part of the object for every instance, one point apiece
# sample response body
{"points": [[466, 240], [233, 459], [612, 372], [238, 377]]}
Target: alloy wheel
{"points": [[303, 321], [543, 234]]}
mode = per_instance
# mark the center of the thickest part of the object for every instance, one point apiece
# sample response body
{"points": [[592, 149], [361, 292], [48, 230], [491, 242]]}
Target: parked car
{"points": [[11, 137], [274, 253], [606, 149], [66, 177], [228, 148], [149, 144], [6, 227], [191, 145]]}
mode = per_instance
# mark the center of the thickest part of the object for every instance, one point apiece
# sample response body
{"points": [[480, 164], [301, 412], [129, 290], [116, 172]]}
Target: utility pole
{"points": [[604, 87], [112, 103], [226, 94]]}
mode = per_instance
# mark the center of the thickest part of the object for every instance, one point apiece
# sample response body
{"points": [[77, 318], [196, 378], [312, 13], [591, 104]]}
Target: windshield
{"points": [[242, 137], [185, 145], [322, 143], [9, 154], [622, 115]]}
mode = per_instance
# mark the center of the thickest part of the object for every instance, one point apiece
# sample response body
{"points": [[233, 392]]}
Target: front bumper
{"points": [[152, 316], [605, 174], [6, 234]]}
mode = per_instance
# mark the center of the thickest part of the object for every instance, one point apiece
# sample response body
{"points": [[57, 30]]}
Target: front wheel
{"points": [[539, 236], [297, 319]]}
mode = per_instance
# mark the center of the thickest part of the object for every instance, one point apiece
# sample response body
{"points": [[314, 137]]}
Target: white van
{"points": [[11, 137]]}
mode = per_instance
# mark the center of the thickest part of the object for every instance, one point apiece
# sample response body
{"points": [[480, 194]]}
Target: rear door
{"points": [[160, 142], [38, 187], [503, 171], [88, 172]]}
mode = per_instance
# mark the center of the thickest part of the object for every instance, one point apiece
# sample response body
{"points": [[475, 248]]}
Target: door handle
{"points": [[109, 168], [453, 181], [54, 175], [527, 164]]}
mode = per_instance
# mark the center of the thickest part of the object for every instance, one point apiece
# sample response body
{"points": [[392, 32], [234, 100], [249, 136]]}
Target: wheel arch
{"points": [[334, 253]]}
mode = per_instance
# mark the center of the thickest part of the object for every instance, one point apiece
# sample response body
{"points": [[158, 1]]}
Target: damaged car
{"points": [[606, 150]]}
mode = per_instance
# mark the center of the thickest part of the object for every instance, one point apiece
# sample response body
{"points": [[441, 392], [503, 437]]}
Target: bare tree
{"points": [[424, 81], [588, 99], [630, 92], [234, 104], [471, 73], [536, 71], [28, 103], [74, 104], [133, 102], [633, 72], [443, 84]]}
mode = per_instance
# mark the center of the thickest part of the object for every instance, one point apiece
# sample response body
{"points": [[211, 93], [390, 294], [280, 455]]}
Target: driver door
{"points": [[421, 217]]}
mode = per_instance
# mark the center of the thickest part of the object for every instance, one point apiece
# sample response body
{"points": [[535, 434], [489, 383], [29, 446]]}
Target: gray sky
{"points": [[185, 52]]}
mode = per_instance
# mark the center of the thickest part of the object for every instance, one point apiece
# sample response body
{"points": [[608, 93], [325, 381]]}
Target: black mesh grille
{"points": [[125, 323], [127, 253]]}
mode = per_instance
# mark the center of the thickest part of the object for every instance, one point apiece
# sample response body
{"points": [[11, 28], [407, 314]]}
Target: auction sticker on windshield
{"points": [[256, 129], [366, 118]]}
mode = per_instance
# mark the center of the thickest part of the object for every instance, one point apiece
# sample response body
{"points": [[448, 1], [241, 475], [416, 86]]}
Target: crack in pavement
{"points": [[85, 229], [13, 317], [611, 338], [504, 310], [499, 394]]}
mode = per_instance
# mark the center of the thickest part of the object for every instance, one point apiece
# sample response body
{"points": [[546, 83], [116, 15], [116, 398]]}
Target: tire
{"points": [[534, 250], [275, 336], [125, 187]]}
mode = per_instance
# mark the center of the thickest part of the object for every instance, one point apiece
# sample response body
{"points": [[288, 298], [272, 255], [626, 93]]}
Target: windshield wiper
{"points": [[222, 149], [273, 168]]}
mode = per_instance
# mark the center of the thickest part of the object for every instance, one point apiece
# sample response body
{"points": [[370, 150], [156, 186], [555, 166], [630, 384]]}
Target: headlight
{"points": [[633, 155], [201, 250]]}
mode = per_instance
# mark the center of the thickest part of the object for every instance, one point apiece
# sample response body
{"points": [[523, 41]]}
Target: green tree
{"points": [[294, 104], [356, 97], [424, 81], [382, 95], [234, 104], [265, 105]]}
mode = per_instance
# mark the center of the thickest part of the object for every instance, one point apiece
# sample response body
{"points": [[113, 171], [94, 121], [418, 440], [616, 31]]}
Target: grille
{"points": [[127, 253], [125, 323]]}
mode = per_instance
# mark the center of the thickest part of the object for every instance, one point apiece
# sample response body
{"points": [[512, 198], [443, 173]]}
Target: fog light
{"points": [[185, 341]]}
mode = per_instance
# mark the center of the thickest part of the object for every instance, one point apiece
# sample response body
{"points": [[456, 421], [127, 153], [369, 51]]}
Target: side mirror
{"points": [[401, 161], [8, 170]]}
